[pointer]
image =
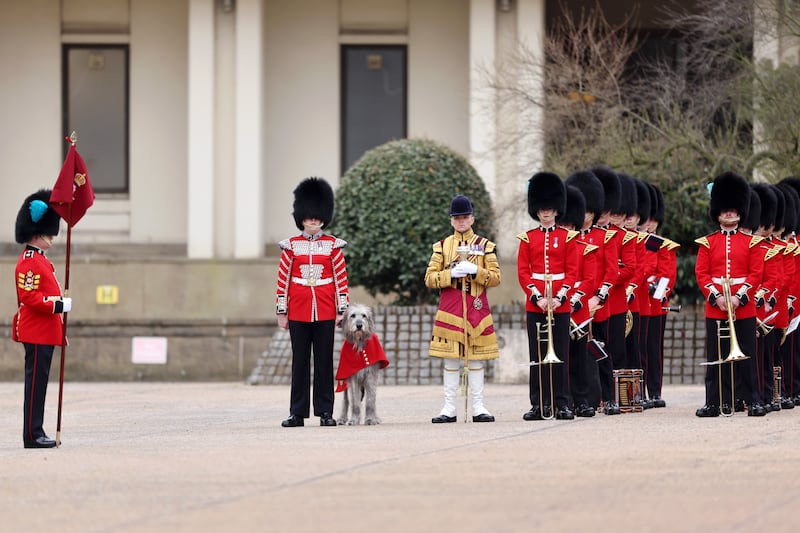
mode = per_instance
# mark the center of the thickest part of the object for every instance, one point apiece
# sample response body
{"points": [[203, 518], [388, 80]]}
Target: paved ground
{"points": [[213, 457]]}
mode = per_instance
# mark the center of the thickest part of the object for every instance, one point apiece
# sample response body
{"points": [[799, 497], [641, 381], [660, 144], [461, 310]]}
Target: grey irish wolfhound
{"points": [[362, 358]]}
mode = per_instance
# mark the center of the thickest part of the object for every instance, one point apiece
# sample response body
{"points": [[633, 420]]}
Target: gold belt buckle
{"points": [[312, 282]]}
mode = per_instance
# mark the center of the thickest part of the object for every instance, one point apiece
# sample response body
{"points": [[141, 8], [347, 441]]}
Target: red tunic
{"points": [[586, 284], [667, 267], [312, 278], [605, 259], [547, 251], [351, 361], [771, 278], [37, 293], [622, 274], [736, 256]]}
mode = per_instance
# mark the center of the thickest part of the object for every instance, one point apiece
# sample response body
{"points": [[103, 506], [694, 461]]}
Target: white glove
{"points": [[467, 267], [67, 303], [457, 271]]}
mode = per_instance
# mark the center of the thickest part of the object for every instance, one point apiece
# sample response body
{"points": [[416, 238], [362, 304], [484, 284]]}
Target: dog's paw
{"points": [[372, 421]]}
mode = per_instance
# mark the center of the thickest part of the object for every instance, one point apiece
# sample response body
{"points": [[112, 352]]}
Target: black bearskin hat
{"points": [[629, 198], [591, 188], [780, 206], [660, 211], [576, 209], [546, 191], [313, 198], [643, 202], [730, 191], [460, 205], [611, 187], [792, 205], [768, 201], [753, 219], [36, 217]]}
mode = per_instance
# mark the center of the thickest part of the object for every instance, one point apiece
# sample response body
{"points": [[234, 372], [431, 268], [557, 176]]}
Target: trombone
{"points": [[550, 354], [734, 352]]}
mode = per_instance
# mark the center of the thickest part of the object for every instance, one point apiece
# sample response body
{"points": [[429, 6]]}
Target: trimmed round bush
{"points": [[393, 204]]}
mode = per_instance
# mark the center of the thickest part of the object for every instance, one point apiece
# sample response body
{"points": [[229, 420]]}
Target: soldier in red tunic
{"points": [[37, 323], [547, 268], [729, 256], [312, 297]]}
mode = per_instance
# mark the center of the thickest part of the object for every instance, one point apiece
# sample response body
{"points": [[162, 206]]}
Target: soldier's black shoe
{"points": [[40, 442], [611, 408], [483, 417], [564, 413], [756, 409], [726, 410], [326, 419], [293, 421], [533, 414], [786, 403], [738, 406], [707, 411], [585, 411], [443, 419], [658, 402], [773, 406], [796, 399]]}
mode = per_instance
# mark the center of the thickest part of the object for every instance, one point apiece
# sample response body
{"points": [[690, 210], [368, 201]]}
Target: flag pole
{"points": [[73, 139]]}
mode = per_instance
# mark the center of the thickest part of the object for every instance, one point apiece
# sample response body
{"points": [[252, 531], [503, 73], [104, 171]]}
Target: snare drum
{"points": [[628, 389]]}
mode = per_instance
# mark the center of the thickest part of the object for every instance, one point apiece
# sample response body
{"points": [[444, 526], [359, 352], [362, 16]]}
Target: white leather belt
{"points": [[540, 277], [734, 281], [312, 282]]}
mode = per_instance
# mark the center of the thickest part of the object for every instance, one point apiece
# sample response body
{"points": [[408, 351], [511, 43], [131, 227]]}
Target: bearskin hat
{"points": [[643, 203], [753, 219], [780, 206], [660, 211], [611, 187], [546, 191], [313, 198], [792, 205], [730, 191], [629, 197], [768, 202], [460, 205], [591, 188], [575, 213], [36, 217]]}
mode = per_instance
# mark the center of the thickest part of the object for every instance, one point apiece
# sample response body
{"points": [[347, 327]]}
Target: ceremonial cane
{"points": [[463, 251]]}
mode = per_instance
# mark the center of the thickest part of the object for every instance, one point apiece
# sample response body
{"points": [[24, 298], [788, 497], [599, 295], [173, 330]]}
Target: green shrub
{"points": [[393, 204]]}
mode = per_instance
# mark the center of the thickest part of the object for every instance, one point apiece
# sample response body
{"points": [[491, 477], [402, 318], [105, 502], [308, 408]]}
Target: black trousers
{"points": [[786, 353], [746, 335], [560, 373], [615, 343], [308, 337], [632, 347], [605, 366], [654, 355], [38, 358], [582, 372], [766, 350]]}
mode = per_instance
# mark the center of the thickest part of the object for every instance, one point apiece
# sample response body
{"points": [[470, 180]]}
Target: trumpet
{"points": [[764, 326], [550, 354], [734, 351]]}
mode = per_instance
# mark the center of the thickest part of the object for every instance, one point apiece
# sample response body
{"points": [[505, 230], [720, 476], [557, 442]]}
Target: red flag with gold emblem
{"points": [[72, 188]]}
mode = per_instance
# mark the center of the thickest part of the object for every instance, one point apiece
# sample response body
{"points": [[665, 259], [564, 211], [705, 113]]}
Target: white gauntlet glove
{"points": [[457, 271], [467, 267], [67, 304]]}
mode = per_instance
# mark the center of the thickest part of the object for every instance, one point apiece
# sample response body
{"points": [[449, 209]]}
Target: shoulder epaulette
{"points": [[589, 248], [755, 239], [703, 241], [772, 252], [670, 244], [609, 235], [571, 234], [790, 248], [285, 244], [642, 235], [628, 236], [339, 243], [523, 237]]}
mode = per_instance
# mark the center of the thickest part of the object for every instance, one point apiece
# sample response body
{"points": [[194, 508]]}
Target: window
{"points": [[95, 106]]}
